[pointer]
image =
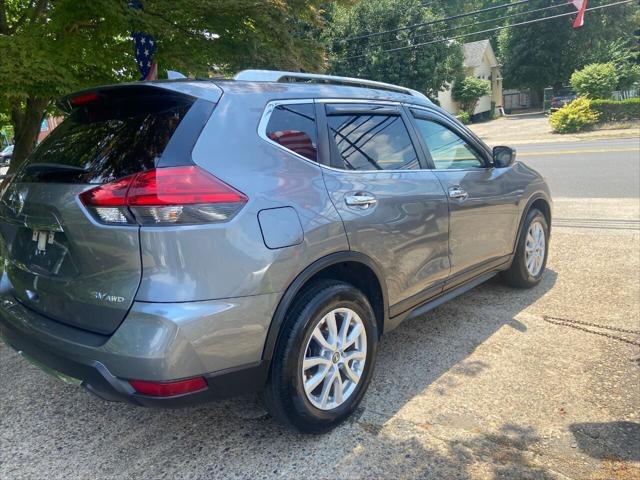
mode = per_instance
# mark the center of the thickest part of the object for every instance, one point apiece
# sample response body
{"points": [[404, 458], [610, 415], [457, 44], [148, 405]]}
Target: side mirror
{"points": [[503, 156]]}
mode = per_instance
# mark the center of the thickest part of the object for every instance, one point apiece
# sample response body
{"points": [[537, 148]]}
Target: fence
{"points": [[624, 94]]}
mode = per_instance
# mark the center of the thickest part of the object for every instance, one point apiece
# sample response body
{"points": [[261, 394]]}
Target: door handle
{"points": [[458, 193], [363, 200]]}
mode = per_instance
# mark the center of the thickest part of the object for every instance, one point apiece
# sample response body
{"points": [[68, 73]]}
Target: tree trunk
{"points": [[26, 118]]}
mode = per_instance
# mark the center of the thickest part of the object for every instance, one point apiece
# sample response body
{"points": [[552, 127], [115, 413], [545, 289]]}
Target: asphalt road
{"points": [[491, 385], [587, 169]]}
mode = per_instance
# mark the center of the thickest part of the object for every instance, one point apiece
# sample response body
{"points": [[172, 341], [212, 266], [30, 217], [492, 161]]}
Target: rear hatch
{"points": [[61, 261]]}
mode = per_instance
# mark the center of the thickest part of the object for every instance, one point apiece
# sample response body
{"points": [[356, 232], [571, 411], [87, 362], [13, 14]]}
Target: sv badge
{"points": [[106, 297]]}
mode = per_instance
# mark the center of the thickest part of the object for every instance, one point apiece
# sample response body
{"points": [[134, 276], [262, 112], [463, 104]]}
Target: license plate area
{"points": [[43, 252]]}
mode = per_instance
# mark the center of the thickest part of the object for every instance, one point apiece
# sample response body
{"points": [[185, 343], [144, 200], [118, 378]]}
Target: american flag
{"points": [[295, 141], [145, 51]]}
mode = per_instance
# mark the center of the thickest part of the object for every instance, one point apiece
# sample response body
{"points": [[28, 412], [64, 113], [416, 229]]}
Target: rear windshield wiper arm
{"points": [[54, 167]]}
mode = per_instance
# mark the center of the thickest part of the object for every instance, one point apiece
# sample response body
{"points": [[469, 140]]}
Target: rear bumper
{"points": [[219, 340]]}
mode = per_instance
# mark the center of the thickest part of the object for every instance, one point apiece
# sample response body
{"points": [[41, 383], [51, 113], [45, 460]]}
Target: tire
{"points": [[285, 396], [519, 275]]}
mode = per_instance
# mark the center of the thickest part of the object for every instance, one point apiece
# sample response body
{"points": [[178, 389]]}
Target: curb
{"points": [[563, 139]]}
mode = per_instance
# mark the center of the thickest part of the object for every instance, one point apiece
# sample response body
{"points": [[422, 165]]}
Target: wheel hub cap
{"points": [[334, 359]]}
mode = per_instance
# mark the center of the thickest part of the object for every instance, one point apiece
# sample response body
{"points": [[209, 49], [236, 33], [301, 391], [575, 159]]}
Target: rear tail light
{"points": [[169, 389], [164, 196]]}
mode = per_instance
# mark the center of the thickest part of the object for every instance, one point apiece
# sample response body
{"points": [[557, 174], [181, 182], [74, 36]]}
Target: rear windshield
{"points": [[106, 141]]}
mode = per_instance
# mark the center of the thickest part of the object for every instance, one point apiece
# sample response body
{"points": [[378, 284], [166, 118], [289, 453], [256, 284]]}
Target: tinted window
{"points": [[105, 142], [372, 142], [447, 149], [294, 127]]}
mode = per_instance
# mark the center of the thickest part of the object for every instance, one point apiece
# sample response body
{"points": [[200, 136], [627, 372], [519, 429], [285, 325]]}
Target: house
{"points": [[479, 61], [47, 126]]}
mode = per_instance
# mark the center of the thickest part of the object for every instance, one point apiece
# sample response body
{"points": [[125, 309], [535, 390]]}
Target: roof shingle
{"points": [[474, 52]]}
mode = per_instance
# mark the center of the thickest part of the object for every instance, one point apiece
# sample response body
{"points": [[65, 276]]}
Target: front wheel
{"points": [[324, 358], [530, 260]]}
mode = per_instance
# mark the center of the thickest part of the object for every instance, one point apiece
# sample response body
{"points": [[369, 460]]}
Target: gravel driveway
{"points": [[482, 387]]}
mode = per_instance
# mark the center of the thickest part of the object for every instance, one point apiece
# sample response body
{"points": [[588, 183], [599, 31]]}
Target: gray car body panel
{"points": [[156, 341], [91, 273], [182, 264], [212, 297]]}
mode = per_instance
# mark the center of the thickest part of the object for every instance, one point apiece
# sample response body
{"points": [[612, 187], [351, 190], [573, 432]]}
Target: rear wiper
{"points": [[54, 167]]}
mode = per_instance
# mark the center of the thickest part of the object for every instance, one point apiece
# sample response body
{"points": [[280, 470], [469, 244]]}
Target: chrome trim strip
{"points": [[281, 76]]}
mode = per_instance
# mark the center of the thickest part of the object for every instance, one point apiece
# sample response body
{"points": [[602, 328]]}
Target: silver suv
{"points": [[181, 241]]}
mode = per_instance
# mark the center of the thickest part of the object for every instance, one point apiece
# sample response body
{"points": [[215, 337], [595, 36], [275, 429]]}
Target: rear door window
{"points": [[293, 126], [103, 142], [371, 141]]}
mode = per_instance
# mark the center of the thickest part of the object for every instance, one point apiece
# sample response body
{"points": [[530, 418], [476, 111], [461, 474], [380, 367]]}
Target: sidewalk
{"points": [[535, 128]]}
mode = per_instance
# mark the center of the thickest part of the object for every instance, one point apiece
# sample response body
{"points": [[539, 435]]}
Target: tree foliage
{"points": [[624, 57], [545, 54], [50, 48], [428, 69], [597, 80], [468, 90]]}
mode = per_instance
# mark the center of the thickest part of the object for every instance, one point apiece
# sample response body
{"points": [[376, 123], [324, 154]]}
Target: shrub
{"points": [[628, 76], [573, 117], [464, 117], [468, 90], [617, 110], [597, 80]]}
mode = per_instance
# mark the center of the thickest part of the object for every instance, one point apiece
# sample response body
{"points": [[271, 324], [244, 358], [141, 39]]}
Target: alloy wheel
{"points": [[334, 359], [535, 249]]}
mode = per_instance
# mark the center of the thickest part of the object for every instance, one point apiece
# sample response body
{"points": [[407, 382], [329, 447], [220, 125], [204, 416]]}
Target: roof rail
{"points": [[277, 76]]}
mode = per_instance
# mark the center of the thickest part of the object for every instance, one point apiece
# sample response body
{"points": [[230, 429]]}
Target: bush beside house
{"points": [[464, 117], [468, 90]]}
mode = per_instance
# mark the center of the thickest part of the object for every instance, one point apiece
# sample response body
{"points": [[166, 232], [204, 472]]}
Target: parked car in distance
{"points": [[259, 234], [561, 98], [5, 155]]}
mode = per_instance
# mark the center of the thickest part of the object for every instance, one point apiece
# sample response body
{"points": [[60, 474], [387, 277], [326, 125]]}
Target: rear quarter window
{"points": [[293, 126]]}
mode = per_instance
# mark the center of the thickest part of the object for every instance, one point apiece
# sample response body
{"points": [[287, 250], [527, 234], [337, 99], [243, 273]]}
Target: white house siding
{"points": [[483, 72], [447, 102]]}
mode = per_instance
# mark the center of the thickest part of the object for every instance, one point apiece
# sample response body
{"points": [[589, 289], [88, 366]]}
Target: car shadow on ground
{"points": [[609, 441], [70, 427], [441, 340]]}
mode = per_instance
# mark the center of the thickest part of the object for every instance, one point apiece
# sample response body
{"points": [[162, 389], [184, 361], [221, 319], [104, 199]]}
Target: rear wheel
{"points": [[530, 259], [324, 359]]}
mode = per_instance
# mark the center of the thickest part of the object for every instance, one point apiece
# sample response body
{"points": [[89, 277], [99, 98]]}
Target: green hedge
{"points": [[616, 110]]}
